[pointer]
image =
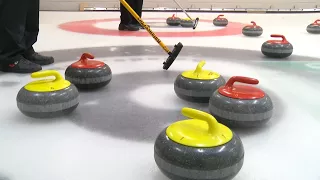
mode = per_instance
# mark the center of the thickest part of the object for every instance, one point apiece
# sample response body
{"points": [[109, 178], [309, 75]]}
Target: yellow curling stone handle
{"points": [[47, 85], [200, 74], [203, 130]]}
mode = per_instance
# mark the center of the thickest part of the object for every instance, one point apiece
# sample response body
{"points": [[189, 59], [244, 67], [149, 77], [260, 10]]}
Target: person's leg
{"points": [[31, 35], [125, 18], [138, 9], [12, 40]]}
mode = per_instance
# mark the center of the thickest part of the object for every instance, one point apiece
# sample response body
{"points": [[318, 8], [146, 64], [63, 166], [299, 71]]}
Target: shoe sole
{"points": [[42, 63], [21, 71], [128, 30]]}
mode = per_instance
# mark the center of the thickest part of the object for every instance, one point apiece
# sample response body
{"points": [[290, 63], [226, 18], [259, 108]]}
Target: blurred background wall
{"points": [[74, 5]]}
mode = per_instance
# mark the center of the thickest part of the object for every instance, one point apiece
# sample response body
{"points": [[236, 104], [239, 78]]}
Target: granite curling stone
{"points": [[198, 149], [187, 22], [314, 28], [88, 74], [220, 21], [173, 21], [241, 105], [47, 98], [277, 48], [252, 30], [197, 85]]}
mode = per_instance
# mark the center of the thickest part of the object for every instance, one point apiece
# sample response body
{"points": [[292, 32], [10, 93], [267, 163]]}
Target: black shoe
{"points": [[128, 27], [37, 58], [20, 65], [139, 26]]}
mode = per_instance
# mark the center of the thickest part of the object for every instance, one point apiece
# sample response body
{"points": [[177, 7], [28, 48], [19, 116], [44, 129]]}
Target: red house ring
{"points": [[87, 27]]}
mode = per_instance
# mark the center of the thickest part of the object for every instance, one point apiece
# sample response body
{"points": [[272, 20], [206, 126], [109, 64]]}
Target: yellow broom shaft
{"points": [[136, 16]]}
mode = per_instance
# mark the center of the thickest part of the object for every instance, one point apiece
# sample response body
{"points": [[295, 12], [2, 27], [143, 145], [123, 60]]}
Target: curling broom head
{"points": [[195, 24], [175, 52]]}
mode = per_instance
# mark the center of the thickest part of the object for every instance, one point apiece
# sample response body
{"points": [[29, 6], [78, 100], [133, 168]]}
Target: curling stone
{"points": [[198, 148], [252, 30], [277, 48], [197, 85], [241, 105], [173, 21], [314, 28], [187, 22], [47, 98], [220, 21], [88, 74]]}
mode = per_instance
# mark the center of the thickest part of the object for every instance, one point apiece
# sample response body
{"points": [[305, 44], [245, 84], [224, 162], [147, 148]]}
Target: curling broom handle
{"points": [[136, 16], [182, 9]]}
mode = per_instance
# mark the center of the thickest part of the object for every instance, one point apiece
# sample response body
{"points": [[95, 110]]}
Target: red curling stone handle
{"points": [[241, 79], [254, 23], [85, 56], [221, 15], [317, 21], [284, 40]]}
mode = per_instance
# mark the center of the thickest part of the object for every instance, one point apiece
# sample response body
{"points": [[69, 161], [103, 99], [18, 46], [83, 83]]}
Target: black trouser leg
{"points": [[13, 14], [31, 35], [138, 9], [125, 14], [32, 24]]}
